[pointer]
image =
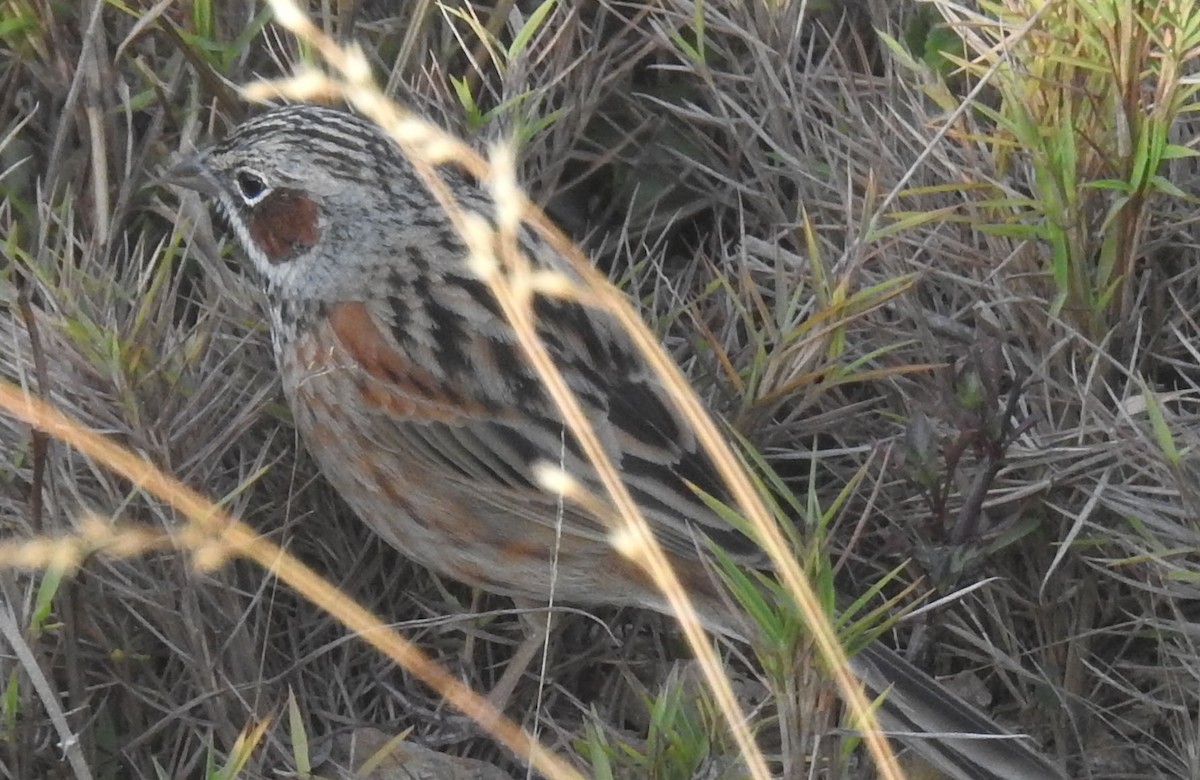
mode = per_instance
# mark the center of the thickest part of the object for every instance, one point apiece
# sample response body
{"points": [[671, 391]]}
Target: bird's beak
{"points": [[191, 173]]}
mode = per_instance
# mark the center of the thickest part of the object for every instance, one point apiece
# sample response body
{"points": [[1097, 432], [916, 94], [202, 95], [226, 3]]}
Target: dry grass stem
{"points": [[224, 536], [359, 90], [68, 741]]}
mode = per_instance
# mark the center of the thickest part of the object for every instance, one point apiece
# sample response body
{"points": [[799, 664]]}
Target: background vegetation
{"points": [[934, 261]]}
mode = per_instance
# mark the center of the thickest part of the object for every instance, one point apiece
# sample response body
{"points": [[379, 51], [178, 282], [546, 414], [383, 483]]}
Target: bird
{"points": [[408, 387]]}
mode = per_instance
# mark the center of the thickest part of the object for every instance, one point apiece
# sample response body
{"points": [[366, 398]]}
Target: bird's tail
{"points": [[943, 729]]}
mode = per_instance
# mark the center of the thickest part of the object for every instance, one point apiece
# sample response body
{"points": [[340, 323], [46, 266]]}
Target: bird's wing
{"points": [[479, 414]]}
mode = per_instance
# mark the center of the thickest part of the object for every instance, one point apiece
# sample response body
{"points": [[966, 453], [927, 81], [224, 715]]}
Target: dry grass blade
{"points": [[224, 536], [426, 146], [745, 495], [68, 741], [510, 282]]}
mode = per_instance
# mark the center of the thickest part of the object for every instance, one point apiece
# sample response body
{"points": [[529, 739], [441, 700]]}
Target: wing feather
{"points": [[512, 424], [475, 409]]}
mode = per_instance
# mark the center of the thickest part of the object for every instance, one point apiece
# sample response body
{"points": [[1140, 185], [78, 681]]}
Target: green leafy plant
{"points": [[502, 57], [679, 738], [1086, 93]]}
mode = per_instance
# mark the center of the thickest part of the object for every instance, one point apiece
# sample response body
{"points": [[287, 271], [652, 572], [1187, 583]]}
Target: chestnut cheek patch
{"points": [[284, 224]]}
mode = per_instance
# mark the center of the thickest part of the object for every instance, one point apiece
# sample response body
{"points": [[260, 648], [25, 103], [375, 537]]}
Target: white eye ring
{"points": [[251, 185]]}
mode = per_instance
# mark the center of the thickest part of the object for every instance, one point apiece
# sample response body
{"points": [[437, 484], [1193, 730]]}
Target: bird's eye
{"points": [[251, 186]]}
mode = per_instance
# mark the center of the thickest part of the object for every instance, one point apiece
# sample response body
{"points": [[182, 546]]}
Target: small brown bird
{"points": [[409, 388]]}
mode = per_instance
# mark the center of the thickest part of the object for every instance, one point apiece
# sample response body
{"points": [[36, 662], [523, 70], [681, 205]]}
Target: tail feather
{"points": [[943, 729]]}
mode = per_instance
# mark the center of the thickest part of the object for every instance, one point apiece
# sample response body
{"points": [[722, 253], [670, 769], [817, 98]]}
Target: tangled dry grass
{"points": [[796, 213]]}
